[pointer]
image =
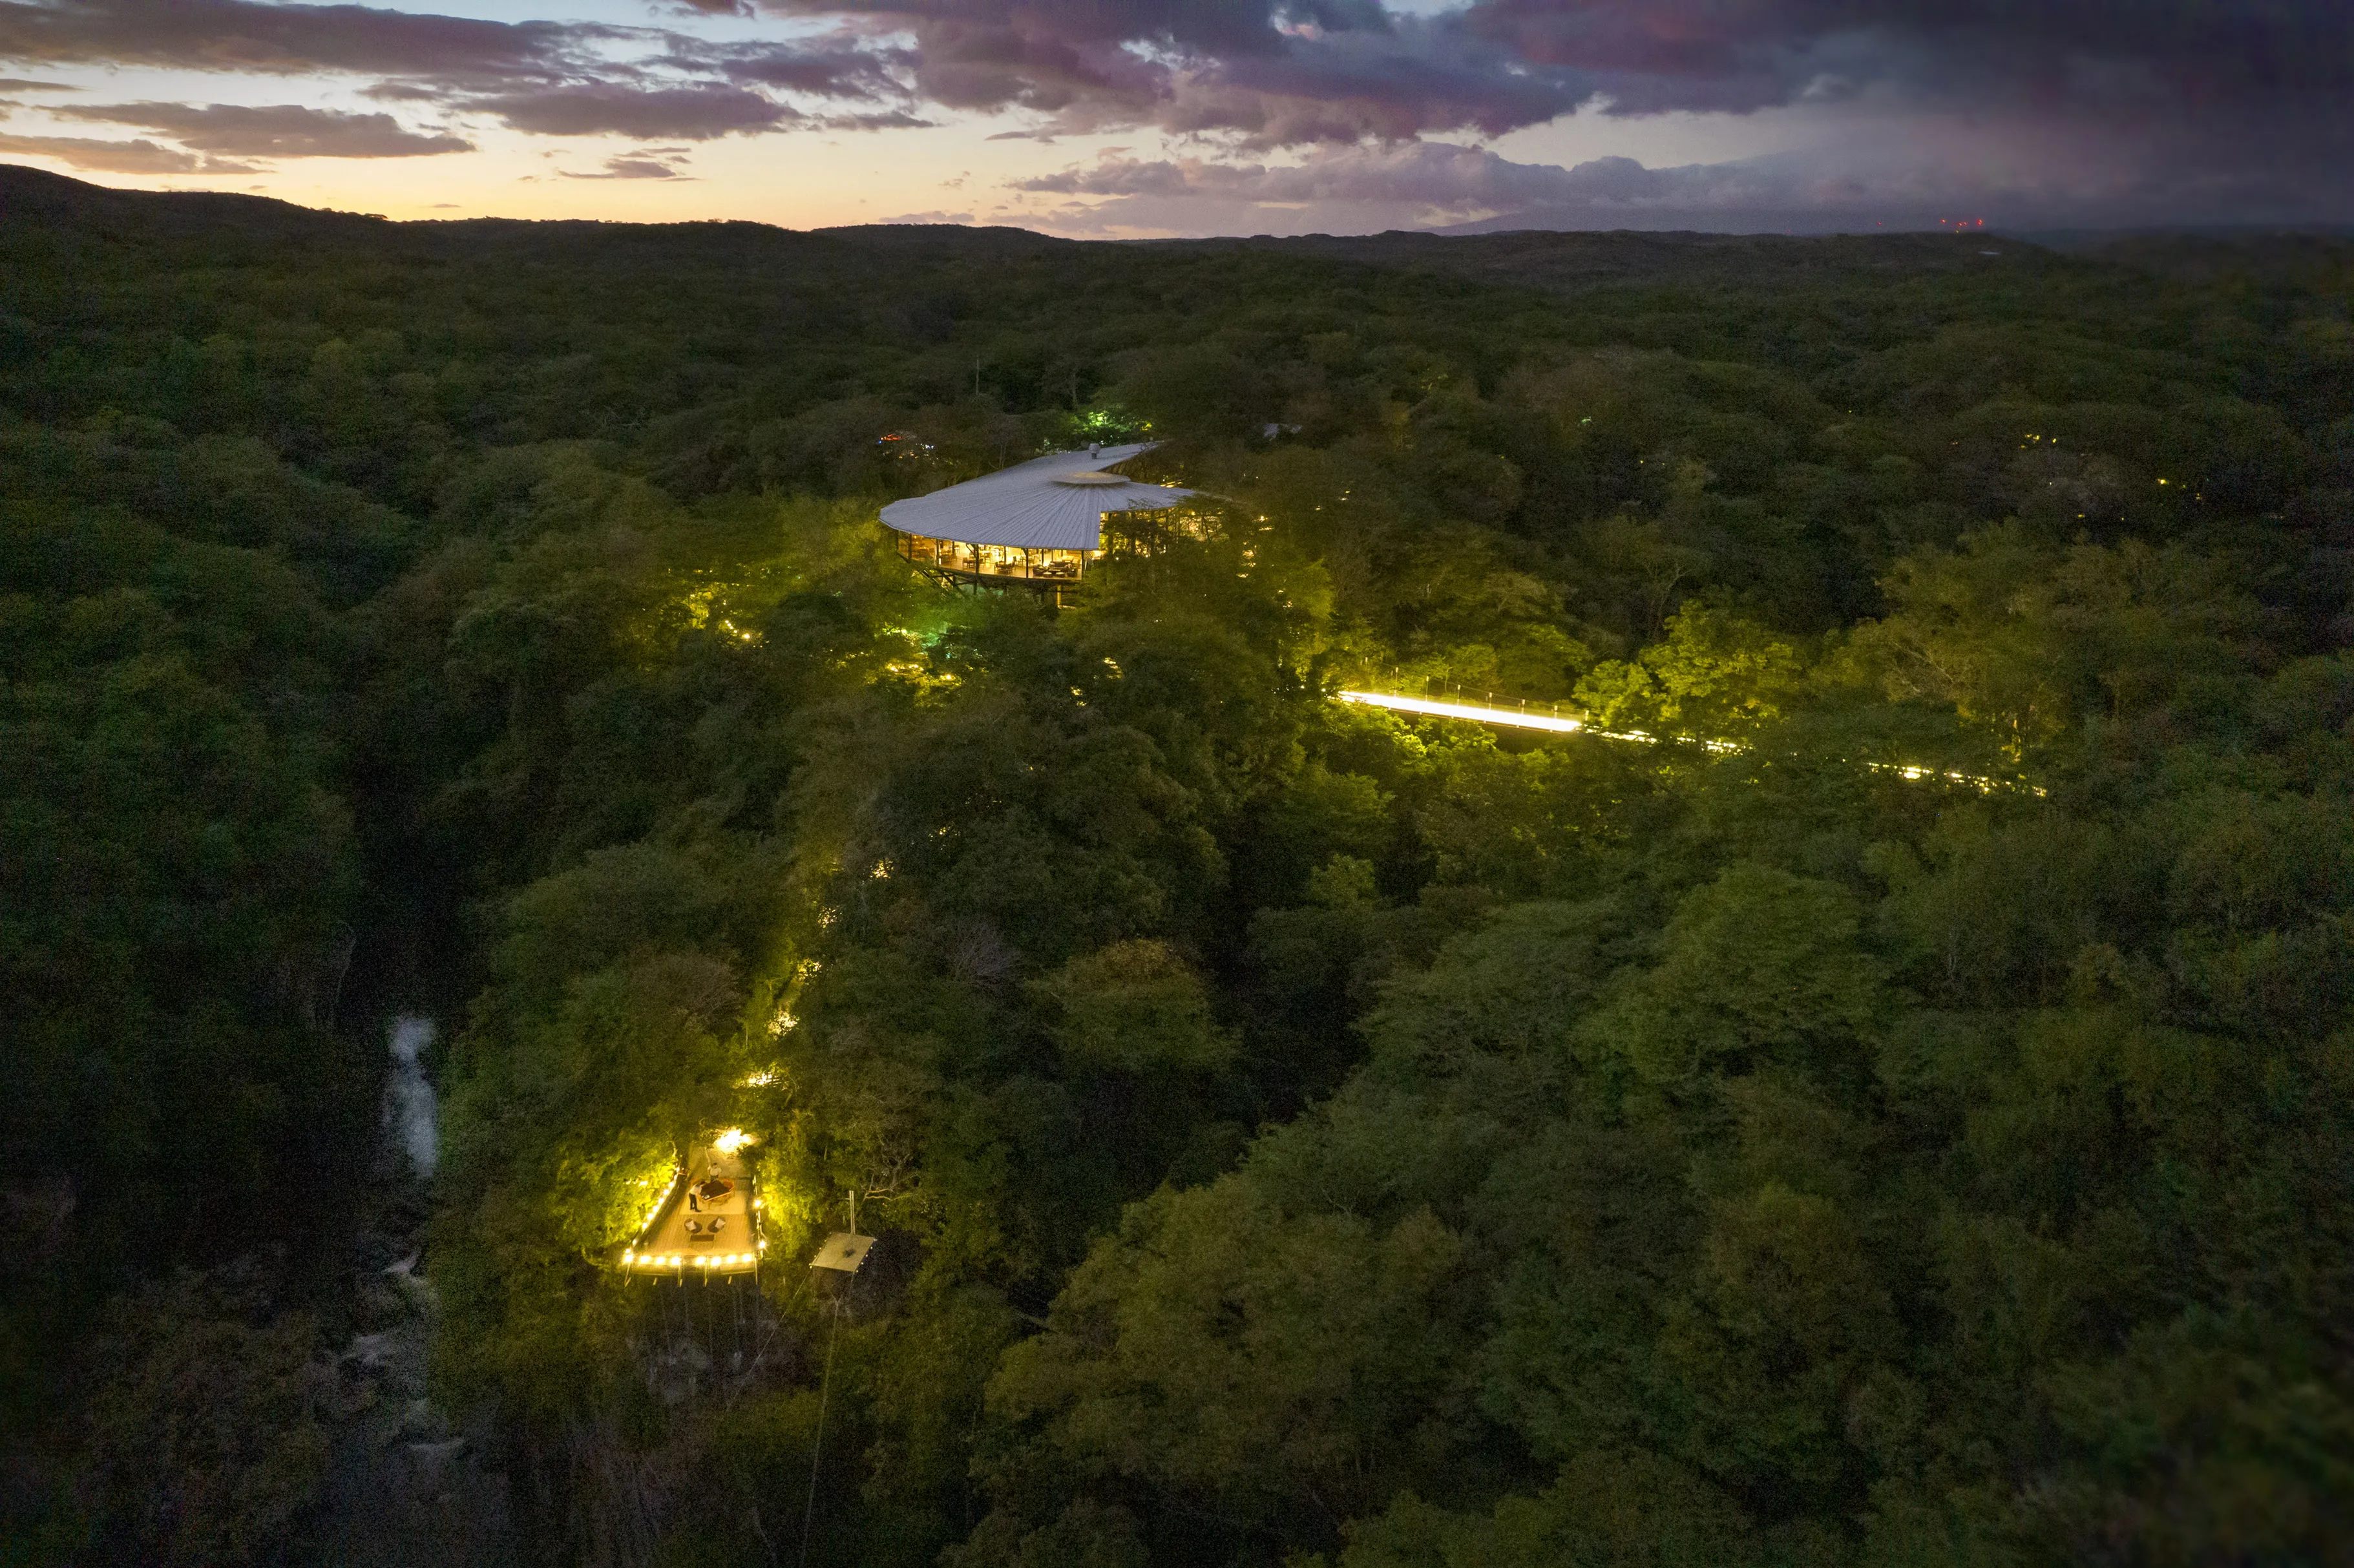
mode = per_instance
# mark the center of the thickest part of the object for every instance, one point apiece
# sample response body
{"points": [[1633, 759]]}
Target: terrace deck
{"points": [[725, 1237]]}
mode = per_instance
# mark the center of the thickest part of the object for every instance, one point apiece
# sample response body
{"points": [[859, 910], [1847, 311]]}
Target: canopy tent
{"points": [[1054, 503]]}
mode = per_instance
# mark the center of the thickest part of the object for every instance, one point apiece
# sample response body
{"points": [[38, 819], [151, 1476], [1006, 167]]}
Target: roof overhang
{"points": [[1027, 507]]}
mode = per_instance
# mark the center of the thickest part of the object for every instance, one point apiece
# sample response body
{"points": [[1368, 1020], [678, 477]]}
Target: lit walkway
{"points": [[1517, 719], [1559, 724], [1512, 718]]}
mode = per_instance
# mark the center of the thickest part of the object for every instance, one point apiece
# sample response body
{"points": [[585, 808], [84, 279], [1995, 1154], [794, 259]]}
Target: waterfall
{"points": [[409, 1115]]}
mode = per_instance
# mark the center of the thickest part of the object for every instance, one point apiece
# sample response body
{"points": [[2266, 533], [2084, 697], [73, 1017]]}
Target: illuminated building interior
{"points": [[1037, 524]]}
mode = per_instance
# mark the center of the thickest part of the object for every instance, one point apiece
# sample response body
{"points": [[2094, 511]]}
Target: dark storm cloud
{"points": [[2216, 48], [1281, 71], [1392, 79], [279, 130]]}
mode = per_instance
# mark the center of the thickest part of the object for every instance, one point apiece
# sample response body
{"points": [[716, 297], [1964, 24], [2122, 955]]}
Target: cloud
{"points": [[1290, 73], [2226, 104], [628, 167], [279, 130], [18, 84], [2000, 47], [1287, 72], [1898, 180], [1400, 78], [694, 114], [540, 78], [246, 36], [403, 92], [892, 120], [136, 158], [1429, 182], [420, 56]]}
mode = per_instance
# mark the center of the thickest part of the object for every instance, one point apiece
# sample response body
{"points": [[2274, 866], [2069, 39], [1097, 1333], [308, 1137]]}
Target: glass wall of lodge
{"points": [[993, 561]]}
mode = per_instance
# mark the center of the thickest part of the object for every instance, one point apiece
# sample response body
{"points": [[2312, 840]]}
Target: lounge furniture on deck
{"points": [[723, 1236]]}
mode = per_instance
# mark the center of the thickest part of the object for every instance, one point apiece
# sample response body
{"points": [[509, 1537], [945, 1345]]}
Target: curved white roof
{"points": [[1023, 506]]}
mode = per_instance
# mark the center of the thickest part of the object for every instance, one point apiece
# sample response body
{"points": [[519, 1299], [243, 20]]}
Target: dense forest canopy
{"points": [[1297, 1134]]}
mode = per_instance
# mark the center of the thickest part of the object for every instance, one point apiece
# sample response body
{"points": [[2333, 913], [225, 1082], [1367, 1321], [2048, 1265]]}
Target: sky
{"points": [[1120, 119]]}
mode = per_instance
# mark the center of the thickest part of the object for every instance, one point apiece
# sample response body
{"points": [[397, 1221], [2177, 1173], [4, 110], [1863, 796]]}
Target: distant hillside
{"points": [[1555, 260], [34, 193], [1542, 259]]}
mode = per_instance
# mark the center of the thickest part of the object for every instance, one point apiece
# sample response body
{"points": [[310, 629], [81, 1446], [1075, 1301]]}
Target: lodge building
{"points": [[1035, 525]]}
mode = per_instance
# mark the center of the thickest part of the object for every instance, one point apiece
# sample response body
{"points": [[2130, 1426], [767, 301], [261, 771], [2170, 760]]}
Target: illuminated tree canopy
{"points": [[1292, 1133]]}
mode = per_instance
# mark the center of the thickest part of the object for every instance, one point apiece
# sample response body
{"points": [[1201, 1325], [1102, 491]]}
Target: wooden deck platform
{"points": [[710, 1234]]}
